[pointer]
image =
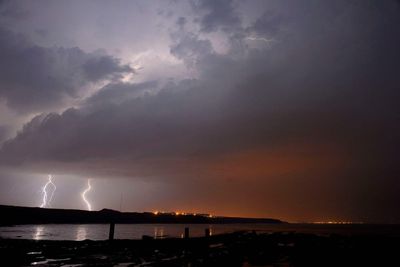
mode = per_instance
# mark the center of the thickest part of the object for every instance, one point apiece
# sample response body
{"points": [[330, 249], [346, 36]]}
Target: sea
{"points": [[80, 232]]}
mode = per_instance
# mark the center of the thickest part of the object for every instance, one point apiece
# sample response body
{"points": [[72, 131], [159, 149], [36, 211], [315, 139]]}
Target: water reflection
{"points": [[158, 232], [38, 232], [81, 233], [136, 231]]}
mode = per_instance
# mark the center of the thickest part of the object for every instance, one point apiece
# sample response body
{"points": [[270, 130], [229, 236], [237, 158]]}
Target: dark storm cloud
{"points": [[10, 9], [318, 77], [3, 133], [103, 67], [117, 93], [189, 48], [219, 15], [314, 115], [35, 78], [181, 22]]}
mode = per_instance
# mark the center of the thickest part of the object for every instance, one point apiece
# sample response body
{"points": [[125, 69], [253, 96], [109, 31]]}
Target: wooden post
{"points": [[111, 233], [186, 232], [207, 232]]}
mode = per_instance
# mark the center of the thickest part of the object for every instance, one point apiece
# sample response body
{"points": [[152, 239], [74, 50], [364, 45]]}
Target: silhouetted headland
{"points": [[11, 215]]}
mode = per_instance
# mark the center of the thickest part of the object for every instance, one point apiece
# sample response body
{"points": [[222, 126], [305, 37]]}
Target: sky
{"points": [[261, 108]]}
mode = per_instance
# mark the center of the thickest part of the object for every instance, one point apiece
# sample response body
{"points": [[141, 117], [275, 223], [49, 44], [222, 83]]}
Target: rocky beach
{"points": [[235, 249]]}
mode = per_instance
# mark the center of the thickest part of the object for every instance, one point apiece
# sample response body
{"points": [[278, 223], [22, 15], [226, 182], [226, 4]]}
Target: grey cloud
{"points": [[3, 133], [10, 9], [161, 121], [190, 48], [327, 90], [270, 24], [264, 99], [117, 93], [34, 78], [103, 67], [219, 15], [181, 22]]}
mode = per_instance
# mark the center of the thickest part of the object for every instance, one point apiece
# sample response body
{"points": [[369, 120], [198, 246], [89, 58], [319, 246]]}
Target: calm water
{"points": [[136, 231]]}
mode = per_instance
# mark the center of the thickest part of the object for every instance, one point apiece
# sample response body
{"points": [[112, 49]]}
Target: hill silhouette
{"points": [[11, 215]]}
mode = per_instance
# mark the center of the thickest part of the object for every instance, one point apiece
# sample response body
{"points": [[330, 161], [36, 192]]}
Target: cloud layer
{"points": [[300, 106], [33, 78]]}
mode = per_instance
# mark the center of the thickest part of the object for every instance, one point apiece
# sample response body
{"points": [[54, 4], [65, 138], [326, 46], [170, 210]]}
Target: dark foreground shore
{"points": [[237, 249]]}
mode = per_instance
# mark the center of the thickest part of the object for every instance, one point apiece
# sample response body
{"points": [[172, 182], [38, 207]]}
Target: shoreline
{"points": [[244, 248], [80, 232]]}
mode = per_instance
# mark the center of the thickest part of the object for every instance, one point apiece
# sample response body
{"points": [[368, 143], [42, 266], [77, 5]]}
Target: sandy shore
{"points": [[237, 249]]}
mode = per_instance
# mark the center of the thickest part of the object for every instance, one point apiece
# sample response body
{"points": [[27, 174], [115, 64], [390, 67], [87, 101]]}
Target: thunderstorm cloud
{"points": [[210, 116]]}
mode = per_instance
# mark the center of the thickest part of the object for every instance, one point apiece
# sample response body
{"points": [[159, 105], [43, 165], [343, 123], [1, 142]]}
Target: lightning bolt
{"points": [[89, 207], [46, 200]]}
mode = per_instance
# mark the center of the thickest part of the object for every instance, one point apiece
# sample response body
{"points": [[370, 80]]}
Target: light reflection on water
{"points": [[136, 231], [81, 233], [38, 232], [158, 232]]}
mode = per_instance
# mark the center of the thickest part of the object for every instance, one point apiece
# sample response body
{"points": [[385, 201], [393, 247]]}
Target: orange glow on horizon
{"points": [[286, 160]]}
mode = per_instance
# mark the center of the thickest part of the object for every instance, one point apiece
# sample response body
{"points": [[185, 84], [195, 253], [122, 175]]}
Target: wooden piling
{"points": [[207, 232], [111, 233], [186, 232]]}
